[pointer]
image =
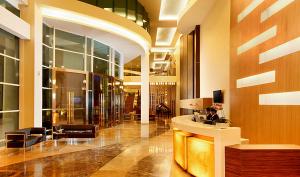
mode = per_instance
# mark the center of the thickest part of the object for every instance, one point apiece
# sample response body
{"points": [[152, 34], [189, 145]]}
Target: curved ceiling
{"points": [[81, 18], [193, 15], [128, 48]]}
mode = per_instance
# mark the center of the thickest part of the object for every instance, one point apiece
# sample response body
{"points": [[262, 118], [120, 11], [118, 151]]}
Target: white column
{"points": [[145, 88], [38, 79]]}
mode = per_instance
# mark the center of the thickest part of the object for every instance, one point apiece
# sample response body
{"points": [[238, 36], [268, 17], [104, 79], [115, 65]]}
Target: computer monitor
{"points": [[218, 96]]}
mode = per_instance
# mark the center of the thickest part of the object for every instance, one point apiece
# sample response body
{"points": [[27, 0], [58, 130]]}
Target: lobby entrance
{"points": [[69, 97], [86, 98]]}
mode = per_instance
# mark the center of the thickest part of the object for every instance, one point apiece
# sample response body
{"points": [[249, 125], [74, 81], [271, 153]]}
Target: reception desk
{"points": [[257, 160], [200, 148]]}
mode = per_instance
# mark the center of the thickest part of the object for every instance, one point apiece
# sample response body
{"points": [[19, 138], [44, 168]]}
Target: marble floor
{"points": [[127, 150]]}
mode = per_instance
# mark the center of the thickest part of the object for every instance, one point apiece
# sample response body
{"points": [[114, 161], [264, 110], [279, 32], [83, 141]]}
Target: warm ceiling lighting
{"points": [[132, 83], [78, 18], [170, 9], [161, 62], [162, 49], [160, 56], [164, 36]]}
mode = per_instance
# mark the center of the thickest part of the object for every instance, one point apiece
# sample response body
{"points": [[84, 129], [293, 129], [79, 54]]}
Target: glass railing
{"points": [[11, 8], [130, 9]]}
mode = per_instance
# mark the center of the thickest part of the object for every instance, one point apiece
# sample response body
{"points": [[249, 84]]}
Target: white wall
{"points": [[215, 52]]}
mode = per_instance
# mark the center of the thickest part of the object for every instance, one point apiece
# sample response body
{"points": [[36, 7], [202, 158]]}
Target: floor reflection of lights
{"points": [[120, 151]]}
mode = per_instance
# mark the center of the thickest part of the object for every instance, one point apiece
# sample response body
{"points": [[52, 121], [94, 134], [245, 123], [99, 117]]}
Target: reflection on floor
{"points": [[116, 152]]}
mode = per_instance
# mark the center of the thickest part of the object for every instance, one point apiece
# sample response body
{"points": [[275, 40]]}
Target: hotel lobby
{"points": [[149, 88]]}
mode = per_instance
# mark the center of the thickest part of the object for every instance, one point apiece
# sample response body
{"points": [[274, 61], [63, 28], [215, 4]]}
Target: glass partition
{"points": [[120, 7], [9, 44], [117, 71], [117, 58], [105, 4], [101, 50], [69, 41], [9, 83], [130, 9], [69, 60], [101, 66], [11, 8], [78, 87]]}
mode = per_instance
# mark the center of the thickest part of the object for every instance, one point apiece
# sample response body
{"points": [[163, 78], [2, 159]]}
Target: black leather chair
{"points": [[25, 137]]}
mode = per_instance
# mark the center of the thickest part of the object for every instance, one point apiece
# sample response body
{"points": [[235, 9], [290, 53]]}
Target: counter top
{"points": [[266, 146], [185, 123]]}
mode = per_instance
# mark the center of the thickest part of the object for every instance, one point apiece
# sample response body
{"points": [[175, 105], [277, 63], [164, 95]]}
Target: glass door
{"points": [[69, 97], [98, 101]]}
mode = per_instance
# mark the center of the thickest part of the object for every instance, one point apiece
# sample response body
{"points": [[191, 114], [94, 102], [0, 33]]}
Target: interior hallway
{"points": [[118, 151]]}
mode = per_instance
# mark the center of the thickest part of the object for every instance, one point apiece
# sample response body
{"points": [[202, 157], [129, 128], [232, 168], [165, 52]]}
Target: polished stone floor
{"points": [[127, 150]]}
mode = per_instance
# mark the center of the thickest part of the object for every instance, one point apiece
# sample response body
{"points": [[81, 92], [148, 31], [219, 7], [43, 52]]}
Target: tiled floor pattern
{"points": [[117, 152]]}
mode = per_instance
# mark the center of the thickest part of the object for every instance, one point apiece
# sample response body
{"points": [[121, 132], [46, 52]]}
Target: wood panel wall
{"points": [[190, 66], [265, 123]]}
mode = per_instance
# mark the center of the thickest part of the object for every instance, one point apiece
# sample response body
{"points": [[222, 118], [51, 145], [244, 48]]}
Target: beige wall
{"points": [[214, 52]]}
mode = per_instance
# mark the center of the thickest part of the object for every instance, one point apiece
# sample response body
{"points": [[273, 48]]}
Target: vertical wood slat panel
{"points": [[197, 62], [190, 66]]}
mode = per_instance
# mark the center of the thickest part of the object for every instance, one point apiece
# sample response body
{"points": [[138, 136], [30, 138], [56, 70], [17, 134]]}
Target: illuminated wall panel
{"points": [[285, 98], [264, 78], [250, 8], [284, 49], [268, 34], [273, 9]]}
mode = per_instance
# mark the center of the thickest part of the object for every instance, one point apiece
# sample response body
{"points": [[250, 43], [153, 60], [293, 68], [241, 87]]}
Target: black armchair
{"points": [[25, 137]]}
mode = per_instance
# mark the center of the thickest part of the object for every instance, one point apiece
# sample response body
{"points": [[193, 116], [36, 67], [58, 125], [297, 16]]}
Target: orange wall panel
{"points": [[264, 123]]}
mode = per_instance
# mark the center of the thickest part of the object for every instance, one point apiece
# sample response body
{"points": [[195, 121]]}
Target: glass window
{"points": [[101, 50], [10, 7], [119, 7], [117, 58], [69, 41], [117, 71], [47, 35], [90, 107], [47, 56], [90, 86], [47, 77], [9, 97], [100, 66], [47, 118], [8, 122], [89, 63], [9, 44], [69, 60], [9, 70], [131, 10], [47, 98], [140, 13], [106, 4], [89, 46]]}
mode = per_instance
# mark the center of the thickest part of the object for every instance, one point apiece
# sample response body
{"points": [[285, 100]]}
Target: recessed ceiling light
{"points": [[164, 36], [170, 9], [162, 49]]}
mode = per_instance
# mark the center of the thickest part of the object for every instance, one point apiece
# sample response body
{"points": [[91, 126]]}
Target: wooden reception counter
{"points": [[200, 148], [262, 160]]}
